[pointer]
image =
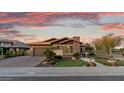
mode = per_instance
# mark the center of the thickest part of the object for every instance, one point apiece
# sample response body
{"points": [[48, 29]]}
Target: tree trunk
{"points": [[110, 52]]}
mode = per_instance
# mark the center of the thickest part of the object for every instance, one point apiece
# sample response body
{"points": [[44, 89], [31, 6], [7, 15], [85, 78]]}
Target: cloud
{"points": [[112, 27], [111, 13], [120, 33], [87, 39], [39, 18], [16, 35]]}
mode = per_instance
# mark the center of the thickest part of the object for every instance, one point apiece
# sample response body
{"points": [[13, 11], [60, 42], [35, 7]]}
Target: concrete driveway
{"points": [[22, 61]]}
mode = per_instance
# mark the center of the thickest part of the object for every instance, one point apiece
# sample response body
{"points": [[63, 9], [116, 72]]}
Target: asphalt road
{"points": [[64, 78], [62, 74]]}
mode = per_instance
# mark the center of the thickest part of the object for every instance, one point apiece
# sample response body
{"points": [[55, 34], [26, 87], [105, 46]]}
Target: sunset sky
{"points": [[38, 26]]}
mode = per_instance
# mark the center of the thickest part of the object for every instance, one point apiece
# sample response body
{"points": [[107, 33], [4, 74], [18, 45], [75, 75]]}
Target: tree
{"points": [[107, 42], [76, 55], [90, 50], [122, 51], [98, 44], [49, 53], [88, 47]]}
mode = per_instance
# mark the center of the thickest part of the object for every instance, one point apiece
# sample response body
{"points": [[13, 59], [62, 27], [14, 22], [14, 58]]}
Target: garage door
{"points": [[38, 51]]}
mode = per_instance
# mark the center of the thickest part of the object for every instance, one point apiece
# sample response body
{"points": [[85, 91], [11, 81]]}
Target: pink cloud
{"points": [[112, 27], [2, 30], [7, 20], [121, 34], [36, 20], [111, 13]]}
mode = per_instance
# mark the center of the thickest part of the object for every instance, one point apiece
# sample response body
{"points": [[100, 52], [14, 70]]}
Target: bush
{"points": [[13, 53], [122, 54], [58, 57], [87, 64], [90, 64], [94, 64], [1, 50], [49, 53], [17, 53], [76, 55], [53, 63], [7, 54], [21, 53]]}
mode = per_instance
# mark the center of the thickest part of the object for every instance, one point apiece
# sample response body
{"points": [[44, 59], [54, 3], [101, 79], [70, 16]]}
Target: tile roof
{"points": [[18, 44], [15, 44], [52, 41]]}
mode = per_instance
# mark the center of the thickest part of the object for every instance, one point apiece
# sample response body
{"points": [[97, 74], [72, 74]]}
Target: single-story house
{"points": [[64, 46], [8, 45]]}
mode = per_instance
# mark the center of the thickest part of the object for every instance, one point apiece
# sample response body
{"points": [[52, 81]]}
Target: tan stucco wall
{"points": [[65, 49], [76, 45]]}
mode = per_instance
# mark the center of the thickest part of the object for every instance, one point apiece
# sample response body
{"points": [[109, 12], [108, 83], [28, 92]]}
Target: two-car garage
{"points": [[38, 50]]}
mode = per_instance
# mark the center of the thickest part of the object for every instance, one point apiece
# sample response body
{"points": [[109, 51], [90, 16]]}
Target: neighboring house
{"points": [[64, 46], [8, 45], [101, 53], [116, 53]]}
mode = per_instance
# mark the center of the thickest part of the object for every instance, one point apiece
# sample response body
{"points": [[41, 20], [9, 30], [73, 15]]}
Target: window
{"points": [[71, 49]]}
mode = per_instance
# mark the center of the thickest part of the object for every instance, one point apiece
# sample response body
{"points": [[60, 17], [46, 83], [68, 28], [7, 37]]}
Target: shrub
{"points": [[88, 64], [94, 64], [76, 55], [21, 53], [7, 53], [58, 57], [53, 63], [13, 53], [49, 53], [17, 53], [1, 50], [123, 54]]}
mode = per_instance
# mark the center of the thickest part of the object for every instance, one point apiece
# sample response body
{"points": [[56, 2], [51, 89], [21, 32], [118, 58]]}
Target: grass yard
{"points": [[120, 63], [102, 61], [70, 63]]}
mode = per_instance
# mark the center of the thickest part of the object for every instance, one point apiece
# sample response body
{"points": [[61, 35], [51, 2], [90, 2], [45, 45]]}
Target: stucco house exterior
{"points": [[63, 46]]}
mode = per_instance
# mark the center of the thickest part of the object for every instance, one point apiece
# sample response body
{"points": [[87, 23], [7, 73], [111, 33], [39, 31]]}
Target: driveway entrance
{"points": [[22, 61]]}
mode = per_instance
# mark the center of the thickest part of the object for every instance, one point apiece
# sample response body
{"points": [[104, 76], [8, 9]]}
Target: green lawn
{"points": [[70, 63], [102, 61], [120, 63]]}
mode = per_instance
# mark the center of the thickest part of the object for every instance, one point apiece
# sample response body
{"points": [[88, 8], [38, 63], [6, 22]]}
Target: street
{"points": [[64, 78], [62, 73]]}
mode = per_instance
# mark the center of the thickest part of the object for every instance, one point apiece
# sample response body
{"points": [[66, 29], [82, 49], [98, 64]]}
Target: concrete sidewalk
{"points": [[97, 64]]}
